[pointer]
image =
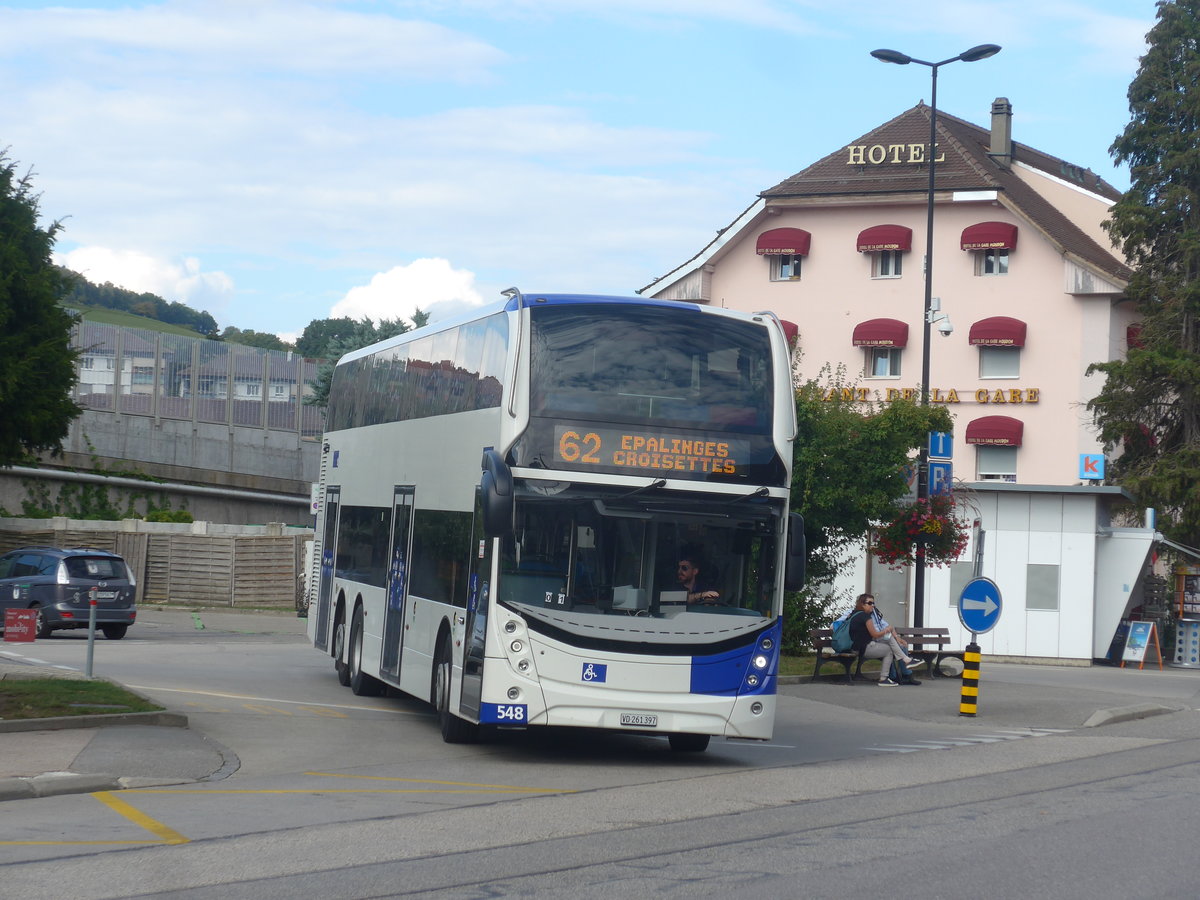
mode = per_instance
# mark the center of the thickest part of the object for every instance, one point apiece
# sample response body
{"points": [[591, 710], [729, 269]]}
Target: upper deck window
{"points": [[650, 364]]}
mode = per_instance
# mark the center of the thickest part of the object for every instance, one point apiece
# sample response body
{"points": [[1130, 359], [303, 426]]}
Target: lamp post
{"points": [[983, 51]]}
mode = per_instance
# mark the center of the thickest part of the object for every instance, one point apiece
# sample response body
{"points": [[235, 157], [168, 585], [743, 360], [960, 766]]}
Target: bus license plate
{"points": [[641, 720]]}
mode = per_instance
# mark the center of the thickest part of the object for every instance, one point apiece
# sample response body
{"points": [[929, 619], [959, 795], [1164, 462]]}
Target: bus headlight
{"points": [[514, 693], [752, 681], [756, 708], [510, 626], [516, 646], [522, 665], [767, 643], [760, 661]]}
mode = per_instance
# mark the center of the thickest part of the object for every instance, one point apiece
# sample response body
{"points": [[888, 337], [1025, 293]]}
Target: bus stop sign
{"points": [[979, 605]]}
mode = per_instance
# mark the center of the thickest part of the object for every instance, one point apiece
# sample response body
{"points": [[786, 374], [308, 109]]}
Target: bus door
{"points": [[333, 496], [397, 580], [479, 595]]}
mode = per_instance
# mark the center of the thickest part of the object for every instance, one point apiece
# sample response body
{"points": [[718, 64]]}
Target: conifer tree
{"points": [[1148, 410], [37, 364]]}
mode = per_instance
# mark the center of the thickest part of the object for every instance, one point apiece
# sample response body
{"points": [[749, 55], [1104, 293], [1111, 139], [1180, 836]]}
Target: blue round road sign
{"points": [[979, 605]]}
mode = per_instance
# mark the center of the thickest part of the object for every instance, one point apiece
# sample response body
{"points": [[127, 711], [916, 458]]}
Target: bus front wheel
{"points": [[454, 729], [688, 743], [361, 683]]}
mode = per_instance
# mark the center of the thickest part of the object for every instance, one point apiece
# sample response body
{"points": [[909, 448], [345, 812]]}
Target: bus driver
{"points": [[687, 573]]}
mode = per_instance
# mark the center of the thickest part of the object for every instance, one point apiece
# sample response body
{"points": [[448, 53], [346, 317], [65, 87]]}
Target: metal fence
{"points": [[152, 373]]}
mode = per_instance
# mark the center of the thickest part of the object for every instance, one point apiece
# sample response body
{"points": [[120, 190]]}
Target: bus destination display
{"points": [[660, 451]]}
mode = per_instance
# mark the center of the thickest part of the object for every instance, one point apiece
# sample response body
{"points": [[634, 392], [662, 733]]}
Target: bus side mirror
{"points": [[797, 553], [496, 487]]}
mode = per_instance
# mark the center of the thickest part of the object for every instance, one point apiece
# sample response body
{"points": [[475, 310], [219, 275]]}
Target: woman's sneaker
{"points": [[887, 682], [914, 662]]}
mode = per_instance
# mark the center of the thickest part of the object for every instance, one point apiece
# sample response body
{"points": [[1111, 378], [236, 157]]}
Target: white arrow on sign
{"points": [[987, 604]]}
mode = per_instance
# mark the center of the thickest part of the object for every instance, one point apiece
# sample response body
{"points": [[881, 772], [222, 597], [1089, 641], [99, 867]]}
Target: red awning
{"points": [[990, 236], [885, 237], [1001, 431], [881, 333], [1133, 336], [778, 241], [998, 331], [791, 331]]}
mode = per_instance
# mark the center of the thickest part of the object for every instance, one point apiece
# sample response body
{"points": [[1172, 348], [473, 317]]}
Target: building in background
{"points": [[1034, 289]]}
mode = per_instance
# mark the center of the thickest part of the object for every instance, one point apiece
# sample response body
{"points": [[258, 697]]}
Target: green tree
{"points": [[264, 340], [847, 475], [1149, 406], [37, 364]]}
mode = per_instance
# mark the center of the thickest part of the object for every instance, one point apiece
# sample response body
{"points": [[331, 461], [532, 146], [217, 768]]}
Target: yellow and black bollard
{"points": [[970, 681]]}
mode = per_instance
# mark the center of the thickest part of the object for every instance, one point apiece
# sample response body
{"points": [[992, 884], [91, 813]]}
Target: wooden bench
{"points": [[821, 639], [929, 644]]}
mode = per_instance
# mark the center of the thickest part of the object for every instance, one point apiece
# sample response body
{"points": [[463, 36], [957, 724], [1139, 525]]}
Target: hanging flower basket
{"points": [[930, 524]]}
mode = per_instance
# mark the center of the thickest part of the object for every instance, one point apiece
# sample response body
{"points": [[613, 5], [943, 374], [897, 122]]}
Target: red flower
{"points": [[932, 524]]}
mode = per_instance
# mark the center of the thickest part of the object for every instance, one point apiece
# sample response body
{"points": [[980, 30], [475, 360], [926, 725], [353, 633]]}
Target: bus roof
{"points": [[516, 301]]}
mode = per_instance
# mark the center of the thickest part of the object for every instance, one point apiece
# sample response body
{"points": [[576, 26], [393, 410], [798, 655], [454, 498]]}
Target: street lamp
{"points": [[983, 51]]}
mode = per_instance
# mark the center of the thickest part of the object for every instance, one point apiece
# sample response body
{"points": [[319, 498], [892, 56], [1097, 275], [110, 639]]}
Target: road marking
{"points": [[966, 740], [457, 784], [303, 703], [167, 835]]}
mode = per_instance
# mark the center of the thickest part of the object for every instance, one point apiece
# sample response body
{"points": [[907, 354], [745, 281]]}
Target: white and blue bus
{"points": [[504, 501]]}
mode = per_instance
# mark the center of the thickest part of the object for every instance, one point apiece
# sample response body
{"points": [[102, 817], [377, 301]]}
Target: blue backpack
{"points": [[841, 641]]}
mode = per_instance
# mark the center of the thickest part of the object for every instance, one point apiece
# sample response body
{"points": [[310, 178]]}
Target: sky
{"points": [[279, 161]]}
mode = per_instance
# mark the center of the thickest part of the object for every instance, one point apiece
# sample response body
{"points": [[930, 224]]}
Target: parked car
{"points": [[58, 582]]}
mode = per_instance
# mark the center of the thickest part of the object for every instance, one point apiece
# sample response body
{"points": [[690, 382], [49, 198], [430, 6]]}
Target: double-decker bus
{"points": [[505, 501]]}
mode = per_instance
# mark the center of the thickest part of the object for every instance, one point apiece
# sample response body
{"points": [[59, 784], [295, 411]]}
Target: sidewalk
{"points": [[82, 754]]}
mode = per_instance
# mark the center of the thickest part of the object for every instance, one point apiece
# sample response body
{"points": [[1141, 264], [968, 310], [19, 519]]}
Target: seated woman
{"points": [[873, 642]]}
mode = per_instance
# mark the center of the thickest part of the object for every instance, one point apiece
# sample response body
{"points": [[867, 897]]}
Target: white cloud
{"points": [[266, 35], [399, 292], [182, 281]]}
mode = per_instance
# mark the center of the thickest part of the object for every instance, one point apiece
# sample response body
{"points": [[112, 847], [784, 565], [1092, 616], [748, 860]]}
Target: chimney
{"points": [[1001, 148]]}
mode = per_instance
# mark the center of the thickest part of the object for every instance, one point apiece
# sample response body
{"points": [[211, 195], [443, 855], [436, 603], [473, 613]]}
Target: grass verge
{"points": [[44, 698]]}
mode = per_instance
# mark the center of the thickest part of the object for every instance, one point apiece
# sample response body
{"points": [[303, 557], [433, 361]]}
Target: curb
{"points": [[103, 720], [1128, 714]]}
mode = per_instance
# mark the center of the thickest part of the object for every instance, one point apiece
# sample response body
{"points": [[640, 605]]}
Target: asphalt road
{"points": [[864, 789]]}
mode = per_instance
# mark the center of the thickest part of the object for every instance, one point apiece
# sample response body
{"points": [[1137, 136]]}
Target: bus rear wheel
{"points": [[688, 743], [361, 683], [339, 650], [454, 729]]}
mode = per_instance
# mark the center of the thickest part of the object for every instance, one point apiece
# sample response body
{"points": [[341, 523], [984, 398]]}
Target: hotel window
{"points": [[996, 463], [883, 362], [999, 362], [785, 267], [991, 262], [887, 264]]}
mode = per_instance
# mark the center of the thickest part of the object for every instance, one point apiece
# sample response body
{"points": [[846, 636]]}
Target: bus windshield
{"points": [[667, 571]]}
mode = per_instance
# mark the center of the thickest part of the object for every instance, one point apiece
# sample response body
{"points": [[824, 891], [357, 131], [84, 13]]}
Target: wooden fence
{"points": [[200, 564]]}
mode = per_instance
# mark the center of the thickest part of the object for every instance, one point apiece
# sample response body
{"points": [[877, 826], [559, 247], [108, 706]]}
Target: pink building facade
{"points": [[1021, 267]]}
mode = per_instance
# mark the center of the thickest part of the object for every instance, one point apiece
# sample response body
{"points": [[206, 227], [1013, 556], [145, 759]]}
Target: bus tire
{"points": [[688, 743], [454, 729], [339, 650], [362, 684]]}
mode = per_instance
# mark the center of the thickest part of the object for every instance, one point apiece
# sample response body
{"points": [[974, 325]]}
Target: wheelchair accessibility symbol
{"points": [[595, 672]]}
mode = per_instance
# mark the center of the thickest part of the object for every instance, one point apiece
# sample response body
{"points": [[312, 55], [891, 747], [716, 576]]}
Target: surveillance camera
{"points": [[945, 328]]}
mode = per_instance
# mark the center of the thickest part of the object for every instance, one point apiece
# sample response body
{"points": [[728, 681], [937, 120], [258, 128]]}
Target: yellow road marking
{"points": [[168, 835]]}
